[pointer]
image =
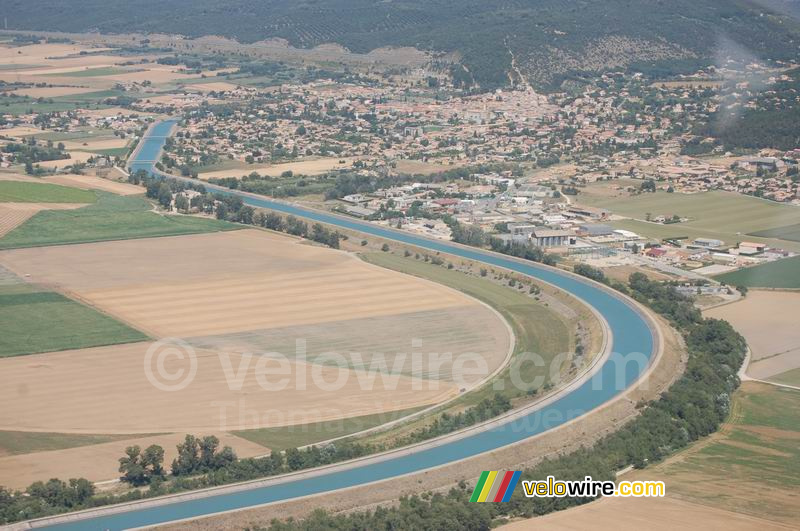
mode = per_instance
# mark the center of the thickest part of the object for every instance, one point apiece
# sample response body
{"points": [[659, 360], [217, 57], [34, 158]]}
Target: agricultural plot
{"points": [[768, 321], [722, 215], [751, 466], [779, 274], [30, 192], [238, 293], [112, 217], [789, 232], [33, 320]]}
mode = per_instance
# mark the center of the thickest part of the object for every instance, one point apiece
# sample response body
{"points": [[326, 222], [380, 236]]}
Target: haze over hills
{"points": [[498, 41]]}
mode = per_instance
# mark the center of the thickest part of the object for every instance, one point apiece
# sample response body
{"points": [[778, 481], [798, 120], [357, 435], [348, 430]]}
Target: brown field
{"points": [[53, 92], [89, 182], [654, 514], [215, 86], [768, 321], [304, 167], [422, 168], [75, 156], [99, 462], [12, 215], [237, 292], [95, 144], [105, 390], [21, 131]]}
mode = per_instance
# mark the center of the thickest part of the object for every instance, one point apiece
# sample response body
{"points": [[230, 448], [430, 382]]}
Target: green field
{"points": [[721, 215], [779, 274], [33, 321], [752, 465], [304, 434], [92, 72], [112, 217], [790, 232], [28, 106], [27, 192]]}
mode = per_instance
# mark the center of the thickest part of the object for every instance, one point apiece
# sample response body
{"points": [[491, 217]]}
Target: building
{"points": [[707, 243], [549, 238], [589, 212]]}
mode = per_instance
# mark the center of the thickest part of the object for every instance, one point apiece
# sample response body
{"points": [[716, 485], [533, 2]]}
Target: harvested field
{"points": [[239, 292], [74, 156], [53, 92], [95, 145], [89, 182], [305, 167], [768, 321], [62, 389], [633, 514], [12, 215], [100, 461], [214, 86]]}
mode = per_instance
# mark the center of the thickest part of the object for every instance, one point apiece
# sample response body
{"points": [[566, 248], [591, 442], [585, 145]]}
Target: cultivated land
{"points": [[29, 192], [751, 466], [634, 514], [99, 462], [37, 320], [727, 216], [305, 167], [112, 217], [251, 291], [768, 321], [90, 182], [780, 274]]}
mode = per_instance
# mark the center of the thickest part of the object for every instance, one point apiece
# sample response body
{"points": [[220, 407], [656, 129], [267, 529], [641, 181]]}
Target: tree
{"points": [[164, 195], [133, 471], [188, 456], [181, 203]]}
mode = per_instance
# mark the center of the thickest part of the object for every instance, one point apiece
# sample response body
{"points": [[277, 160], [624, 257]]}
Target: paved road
{"points": [[631, 336]]}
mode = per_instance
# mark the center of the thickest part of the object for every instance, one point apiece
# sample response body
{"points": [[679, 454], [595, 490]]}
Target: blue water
{"points": [[631, 336]]}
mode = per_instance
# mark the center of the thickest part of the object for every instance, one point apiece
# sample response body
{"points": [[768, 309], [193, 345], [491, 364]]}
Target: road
{"points": [[631, 335]]}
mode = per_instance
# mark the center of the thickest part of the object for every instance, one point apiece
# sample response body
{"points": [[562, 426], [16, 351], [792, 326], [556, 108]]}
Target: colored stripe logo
{"points": [[494, 486]]}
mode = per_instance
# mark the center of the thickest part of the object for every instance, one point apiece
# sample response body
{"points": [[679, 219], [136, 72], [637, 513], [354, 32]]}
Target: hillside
{"points": [[550, 39]]}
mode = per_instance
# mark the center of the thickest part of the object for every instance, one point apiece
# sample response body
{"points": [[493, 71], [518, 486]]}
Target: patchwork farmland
{"points": [[237, 292]]}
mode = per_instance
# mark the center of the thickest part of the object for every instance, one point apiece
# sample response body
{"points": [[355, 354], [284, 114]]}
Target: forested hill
{"points": [[549, 39]]}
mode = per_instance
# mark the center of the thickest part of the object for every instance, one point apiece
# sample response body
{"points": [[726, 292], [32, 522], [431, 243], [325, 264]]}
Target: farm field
{"points": [[536, 327], [112, 217], [768, 321], [634, 514], [90, 182], [751, 466], [779, 274], [726, 216], [303, 167], [33, 320], [99, 462], [12, 215], [240, 292], [29, 192], [789, 232]]}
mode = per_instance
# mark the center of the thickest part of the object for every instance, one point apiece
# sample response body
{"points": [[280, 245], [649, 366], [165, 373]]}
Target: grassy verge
{"points": [[34, 321], [112, 217], [28, 192], [779, 274], [304, 434]]}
